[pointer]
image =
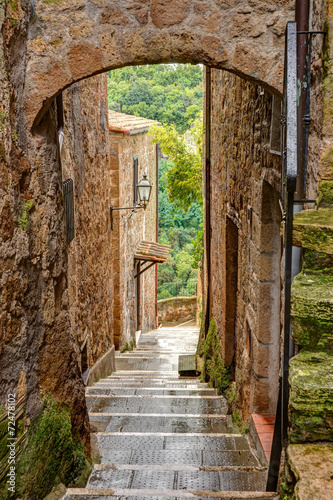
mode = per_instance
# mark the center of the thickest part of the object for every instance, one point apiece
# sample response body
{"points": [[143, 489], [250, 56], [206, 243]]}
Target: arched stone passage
{"points": [[73, 39]]}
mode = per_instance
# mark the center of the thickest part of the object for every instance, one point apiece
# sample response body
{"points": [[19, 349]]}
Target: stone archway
{"points": [[68, 41], [74, 39]]}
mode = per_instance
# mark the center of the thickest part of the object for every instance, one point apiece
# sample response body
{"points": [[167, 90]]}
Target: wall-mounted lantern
{"points": [[144, 187]]}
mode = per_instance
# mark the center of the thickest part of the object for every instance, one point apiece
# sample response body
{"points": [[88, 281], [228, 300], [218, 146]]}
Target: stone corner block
{"points": [[313, 229], [312, 310], [311, 397], [312, 466]]}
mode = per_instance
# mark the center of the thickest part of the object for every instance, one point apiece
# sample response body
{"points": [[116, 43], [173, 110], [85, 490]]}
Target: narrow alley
{"points": [[166, 437]]}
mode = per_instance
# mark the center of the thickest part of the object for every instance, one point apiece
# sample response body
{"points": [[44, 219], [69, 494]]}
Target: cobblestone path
{"points": [[166, 437]]}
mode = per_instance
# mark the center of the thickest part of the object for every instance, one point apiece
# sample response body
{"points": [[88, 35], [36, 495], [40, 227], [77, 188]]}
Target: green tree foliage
{"points": [[169, 93], [178, 229], [184, 177]]}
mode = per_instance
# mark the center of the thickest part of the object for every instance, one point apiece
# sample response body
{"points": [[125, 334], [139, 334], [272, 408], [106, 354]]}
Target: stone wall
{"points": [[85, 158], [177, 309], [38, 351], [243, 36], [130, 228], [245, 239]]}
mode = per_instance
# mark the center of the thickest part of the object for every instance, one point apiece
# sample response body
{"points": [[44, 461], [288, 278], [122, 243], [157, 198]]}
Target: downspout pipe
{"points": [[157, 227], [208, 105], [302, 23]]}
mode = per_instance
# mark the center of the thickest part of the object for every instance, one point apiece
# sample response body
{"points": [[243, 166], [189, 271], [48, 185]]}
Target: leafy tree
{"points": [[172, 93], [184, 177]]}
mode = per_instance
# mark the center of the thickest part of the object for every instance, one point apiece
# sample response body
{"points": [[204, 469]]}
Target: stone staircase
{"points": [[164, 437]]}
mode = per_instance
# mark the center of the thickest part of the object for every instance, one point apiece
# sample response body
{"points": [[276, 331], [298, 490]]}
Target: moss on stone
{"points": [[328, 156], [312, 310], [325, 198], [316, 261], [51, 455], [312, 466], [313, 229], [214, 371], [311, 397]]}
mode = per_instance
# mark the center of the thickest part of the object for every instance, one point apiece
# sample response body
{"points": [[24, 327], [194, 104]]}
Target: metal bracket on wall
{"points": [[112, 209], [145, 268]]}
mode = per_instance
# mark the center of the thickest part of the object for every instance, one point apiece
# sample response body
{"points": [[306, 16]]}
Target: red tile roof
{"points": [[129, 124], [150, 251]]}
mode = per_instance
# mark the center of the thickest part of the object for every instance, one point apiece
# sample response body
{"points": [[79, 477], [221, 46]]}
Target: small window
{"points": [[135, 178], [68, 191], [275, 140]]}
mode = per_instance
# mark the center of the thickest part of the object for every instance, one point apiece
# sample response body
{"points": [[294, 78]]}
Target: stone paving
{"points": [[166, 437]]}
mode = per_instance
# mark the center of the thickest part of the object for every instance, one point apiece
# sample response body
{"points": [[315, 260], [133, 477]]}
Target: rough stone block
{"points": [[261, 399], [311, 397], [325, 198], [261, 357], [312, 466], [312, 310], [313, 229], [264, 264], [268, 311]]}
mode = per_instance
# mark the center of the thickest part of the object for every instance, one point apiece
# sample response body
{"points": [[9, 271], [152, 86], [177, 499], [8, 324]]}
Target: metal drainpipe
{"points": [[302, 20], [157, 222], [208, 195]]}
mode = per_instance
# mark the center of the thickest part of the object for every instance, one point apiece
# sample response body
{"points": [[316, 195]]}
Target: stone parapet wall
{"points": [[177, 309]]}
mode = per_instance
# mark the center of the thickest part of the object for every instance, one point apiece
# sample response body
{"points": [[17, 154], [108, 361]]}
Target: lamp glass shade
{"points": [[144, 189]]}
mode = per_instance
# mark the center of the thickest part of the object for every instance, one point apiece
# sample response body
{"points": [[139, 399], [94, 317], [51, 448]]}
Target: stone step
{"points": [[146, 373], [146, 391], [163, 423], [205, 405], [231, 480], [137, 442], [120, 494], [153, 378], [157, 365], [181, 458], [150, 384]]}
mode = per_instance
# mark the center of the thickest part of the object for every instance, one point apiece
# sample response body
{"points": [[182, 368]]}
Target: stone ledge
{"points": [[103, 367], [313, 229], [312, 466], [311, 397], [312, 310]]}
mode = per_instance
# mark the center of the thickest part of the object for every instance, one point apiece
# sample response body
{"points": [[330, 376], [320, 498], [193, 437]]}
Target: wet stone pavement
{"points": [[166, 437]]}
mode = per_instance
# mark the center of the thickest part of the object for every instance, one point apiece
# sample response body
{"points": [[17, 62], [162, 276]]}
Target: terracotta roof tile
{"points": [[151, 251], [129, 124]]}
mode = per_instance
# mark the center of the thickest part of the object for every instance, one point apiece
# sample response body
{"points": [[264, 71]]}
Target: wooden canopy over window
{"points": [[154, 253]]}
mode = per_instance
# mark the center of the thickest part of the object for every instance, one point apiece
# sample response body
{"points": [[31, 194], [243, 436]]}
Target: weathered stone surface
{"points": [[245, 239], [312, 466], [311, 397], [85, 158], [245, 40], [325, 198], [166, 13], [312, 310], [129, 230], [313, 229]]}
